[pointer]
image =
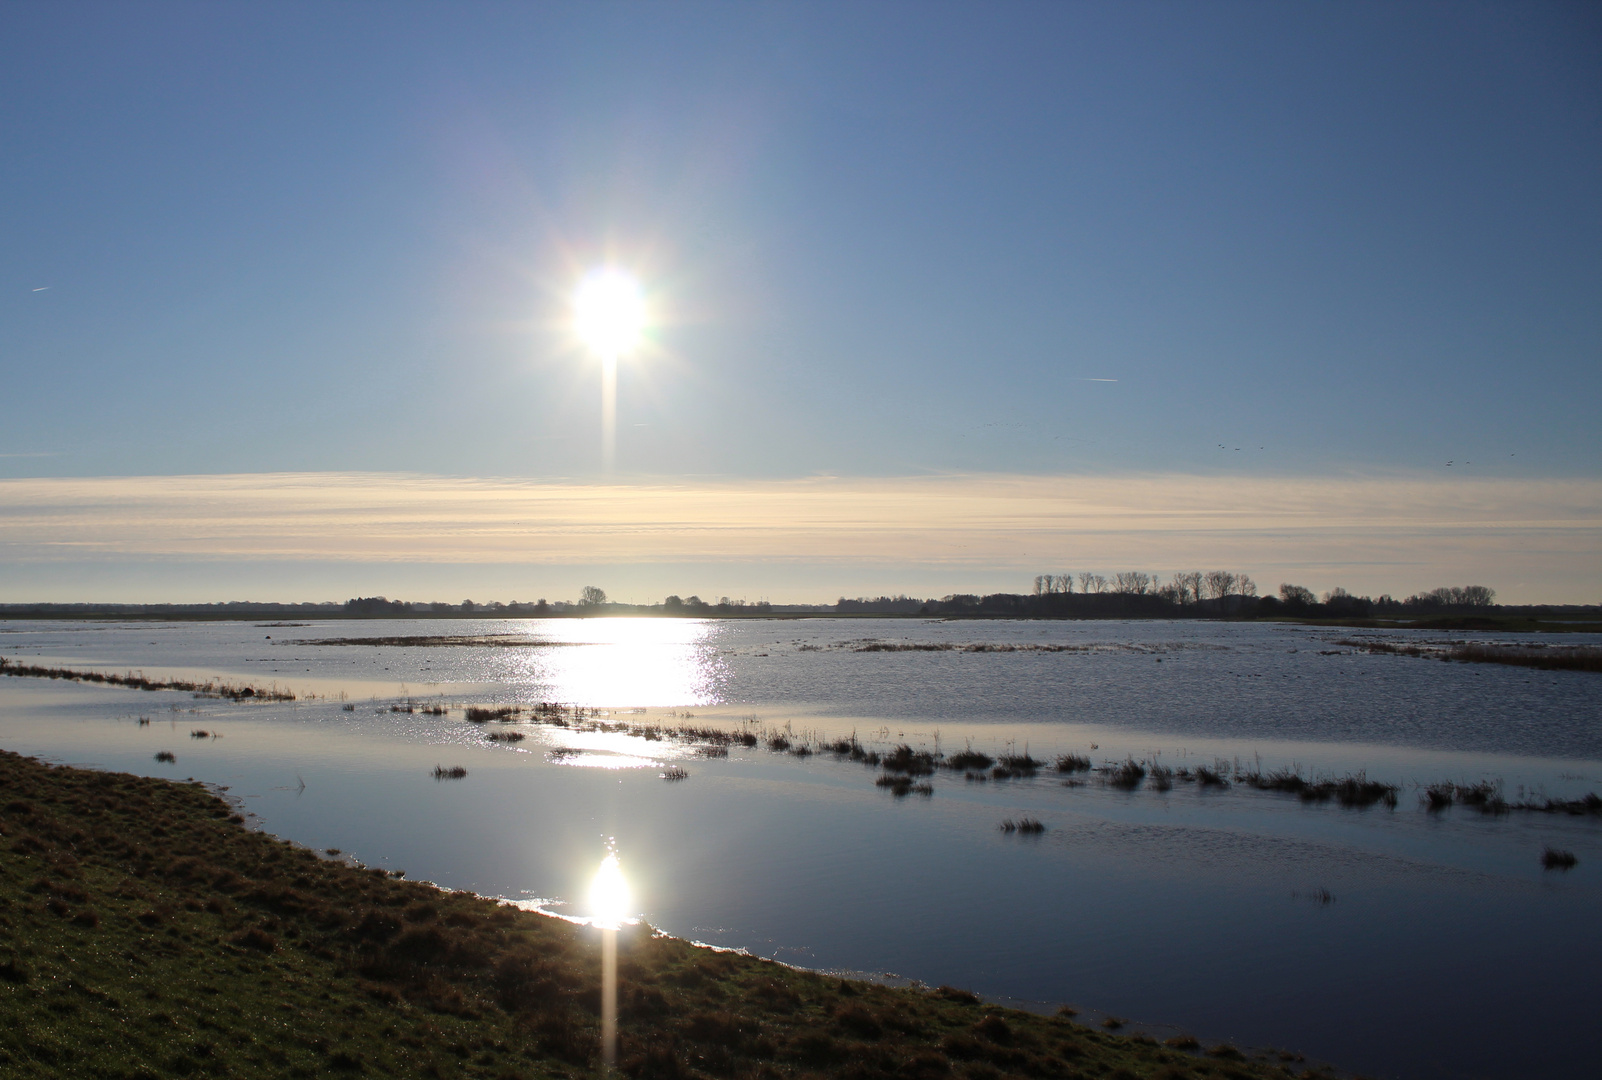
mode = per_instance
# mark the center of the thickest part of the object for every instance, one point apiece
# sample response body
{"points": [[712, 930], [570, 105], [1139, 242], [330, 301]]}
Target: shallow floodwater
{"points": [[1393, 942]]}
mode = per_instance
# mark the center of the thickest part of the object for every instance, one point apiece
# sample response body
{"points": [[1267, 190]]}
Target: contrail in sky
{"points": [[42, 288]]}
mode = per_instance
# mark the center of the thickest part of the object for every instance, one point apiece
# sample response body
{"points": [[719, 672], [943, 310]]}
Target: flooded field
{"points": [[1251, 833]]}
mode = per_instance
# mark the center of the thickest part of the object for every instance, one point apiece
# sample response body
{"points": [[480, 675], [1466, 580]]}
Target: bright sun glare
{"points": [[609, 894], [609, 312]]}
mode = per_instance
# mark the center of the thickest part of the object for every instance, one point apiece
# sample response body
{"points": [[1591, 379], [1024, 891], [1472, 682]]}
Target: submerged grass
{"points": [[1549, 657], [1128, 775], [1352, 790], [1553, 859], [481, 714], [210, 688], [909, 762]]}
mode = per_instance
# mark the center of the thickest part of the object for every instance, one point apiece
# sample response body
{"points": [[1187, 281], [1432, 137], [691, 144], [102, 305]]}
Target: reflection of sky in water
{"points": [[808, 860], [639, 662]]}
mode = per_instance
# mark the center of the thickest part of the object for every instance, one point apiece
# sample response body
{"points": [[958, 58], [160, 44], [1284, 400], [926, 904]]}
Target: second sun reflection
{"points": [[609, 909]]}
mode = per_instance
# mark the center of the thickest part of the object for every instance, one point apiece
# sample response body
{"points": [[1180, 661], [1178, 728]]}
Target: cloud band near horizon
{"points": [[788, 540]]}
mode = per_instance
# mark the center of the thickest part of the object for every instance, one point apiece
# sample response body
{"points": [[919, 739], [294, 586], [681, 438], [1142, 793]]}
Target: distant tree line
{"points": [[1197, 594], [1087, 595], [694, 605]]}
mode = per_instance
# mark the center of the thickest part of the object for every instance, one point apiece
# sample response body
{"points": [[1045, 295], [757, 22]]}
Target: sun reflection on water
{"points": [[627, 662]]}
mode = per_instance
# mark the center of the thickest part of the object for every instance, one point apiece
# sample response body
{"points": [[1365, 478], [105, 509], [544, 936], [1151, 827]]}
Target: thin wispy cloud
{"points": [[1375, 534]]}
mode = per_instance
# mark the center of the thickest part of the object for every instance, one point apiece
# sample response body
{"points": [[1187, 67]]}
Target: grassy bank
{"points": [[146, 932]]}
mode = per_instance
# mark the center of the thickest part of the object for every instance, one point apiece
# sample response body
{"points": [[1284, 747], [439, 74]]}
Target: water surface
{"points": [[1371, 938]]}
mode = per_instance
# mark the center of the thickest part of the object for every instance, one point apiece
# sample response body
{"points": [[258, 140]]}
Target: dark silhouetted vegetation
{"points": [[903, 759], [1354, 790], [1127, 775], [1553, 859]]}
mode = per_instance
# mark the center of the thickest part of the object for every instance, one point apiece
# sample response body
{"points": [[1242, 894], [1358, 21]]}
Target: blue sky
{"points": [[883, 240]]}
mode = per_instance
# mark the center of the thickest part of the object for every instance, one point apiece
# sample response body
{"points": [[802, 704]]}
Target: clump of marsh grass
{"points": [[349, 706], [1355, 790], [673, 772], [455, 772], [1072, 763], [1484, 796], [1020, 764], [1126, 776], [901, 785], [968, 759], [1438, 797], [1162, 777], [1554, 859], [904, 759], [1210, 777], [778, 742], [1025, 825], [505, 736], [1590, 804], [847, 748], [202, 733], [712, 751], [479, 714], [166, 755]]}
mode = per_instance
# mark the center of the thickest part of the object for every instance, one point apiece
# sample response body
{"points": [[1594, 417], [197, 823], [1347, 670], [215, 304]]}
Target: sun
{"points": [[609, 312]]}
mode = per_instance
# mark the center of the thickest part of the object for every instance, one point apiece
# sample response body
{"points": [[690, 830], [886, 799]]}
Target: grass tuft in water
{"points": [[1126, 776], [968, 759], [903, 759], [1553, 859]]}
